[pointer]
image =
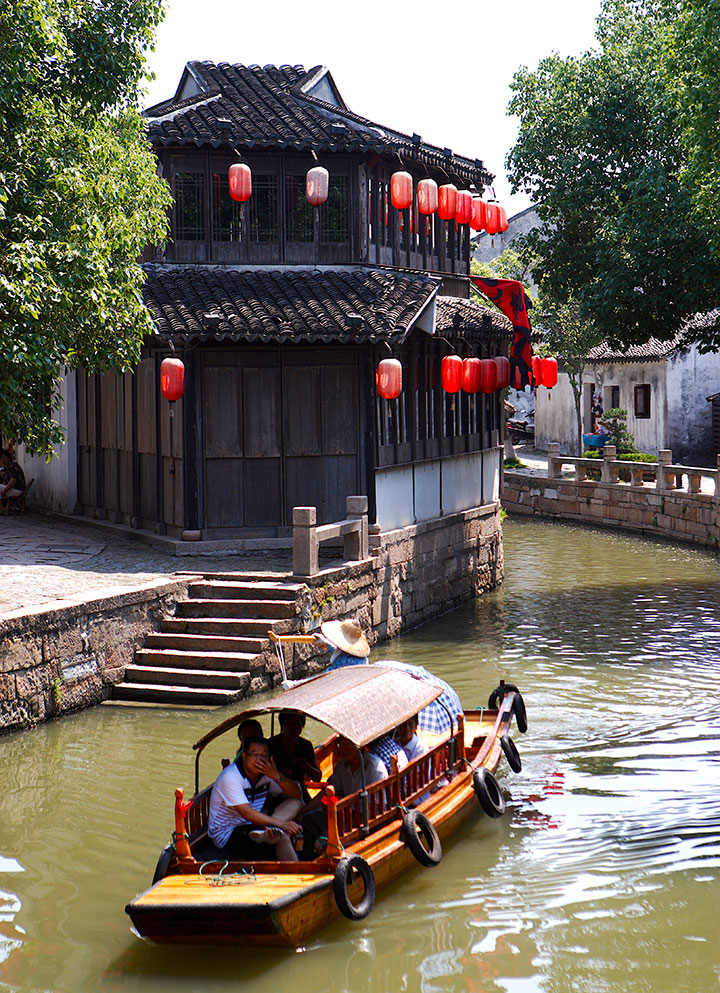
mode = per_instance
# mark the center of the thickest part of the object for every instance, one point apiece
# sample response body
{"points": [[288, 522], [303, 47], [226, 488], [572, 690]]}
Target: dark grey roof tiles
{"points": [[277, 107], [465, 318], [270, 304]]}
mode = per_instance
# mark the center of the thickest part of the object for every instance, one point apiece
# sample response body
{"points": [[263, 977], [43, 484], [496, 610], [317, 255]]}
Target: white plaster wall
{"points": [[691, 377], [491, 465], [55, 486], [427, 491], [555, 416], [462, 483], [394, 497]]}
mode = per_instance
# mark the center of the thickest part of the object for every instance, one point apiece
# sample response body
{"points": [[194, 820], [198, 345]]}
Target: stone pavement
{"points": [[44, 559]]}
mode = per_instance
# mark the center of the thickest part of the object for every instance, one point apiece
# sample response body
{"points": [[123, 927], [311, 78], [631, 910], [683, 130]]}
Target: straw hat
{"points": [[347, 636]]}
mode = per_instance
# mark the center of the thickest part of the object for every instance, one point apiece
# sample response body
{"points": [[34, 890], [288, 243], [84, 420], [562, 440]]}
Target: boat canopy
{"points": [[360, 702]]}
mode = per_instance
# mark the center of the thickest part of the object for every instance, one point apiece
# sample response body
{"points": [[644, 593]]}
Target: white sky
{"points": [[397, 64]]}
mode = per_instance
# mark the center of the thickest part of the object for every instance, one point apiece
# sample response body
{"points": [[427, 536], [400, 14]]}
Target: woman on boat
{"points": [[348, 641]]}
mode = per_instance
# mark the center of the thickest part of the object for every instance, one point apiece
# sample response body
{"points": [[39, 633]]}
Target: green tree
{"points": [[598, 152], [80, 197]]}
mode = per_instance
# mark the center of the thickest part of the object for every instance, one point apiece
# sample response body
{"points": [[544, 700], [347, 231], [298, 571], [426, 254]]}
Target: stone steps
{"points": [[203, 655]]}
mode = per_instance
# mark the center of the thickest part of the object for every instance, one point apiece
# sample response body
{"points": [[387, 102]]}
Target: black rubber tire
{"points": [[163, 863], [511, 753], [421, 838], [520, 713], [341, 883], [487, 790], [499, 692]]}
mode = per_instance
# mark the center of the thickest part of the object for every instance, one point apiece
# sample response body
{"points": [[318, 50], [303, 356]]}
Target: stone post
{"points": [[554, 460], [356, 542], [305, 541], [609, 473], [374, 540], [694, 482], [717, 478], [663, 477]]}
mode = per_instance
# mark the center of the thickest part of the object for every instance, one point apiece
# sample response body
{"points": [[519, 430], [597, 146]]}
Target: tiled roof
{"points": [[654, 350], [457, 318], [253, 107], [348, 304]]}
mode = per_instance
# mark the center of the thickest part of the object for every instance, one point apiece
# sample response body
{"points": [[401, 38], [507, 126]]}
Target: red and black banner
{"points": [[510, 297]]}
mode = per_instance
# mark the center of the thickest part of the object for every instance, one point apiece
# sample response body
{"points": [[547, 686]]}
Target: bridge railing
{"points": [[307, 535], [667, 475]]}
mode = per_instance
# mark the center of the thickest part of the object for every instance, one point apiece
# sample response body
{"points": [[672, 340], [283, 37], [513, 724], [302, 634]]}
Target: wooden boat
{"points": [[373, 836]]}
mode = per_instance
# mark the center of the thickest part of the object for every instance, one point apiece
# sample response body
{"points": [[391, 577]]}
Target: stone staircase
{"points": [[204, 654]]}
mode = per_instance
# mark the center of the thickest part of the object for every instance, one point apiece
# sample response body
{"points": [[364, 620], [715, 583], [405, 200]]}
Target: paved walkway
{"points": [[43, 559]]}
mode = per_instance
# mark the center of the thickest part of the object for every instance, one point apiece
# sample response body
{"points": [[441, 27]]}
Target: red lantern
{"points": [[537, 368], [451, 373], [389, 378], [471, 375], [172, 379], [477, 220], [488, 376], [463, 210], [503, 220], [240, 179], [401, 190], [427, 196], [549, 372], [316, 186], [503, 371], [447, 202], [492, 218]]}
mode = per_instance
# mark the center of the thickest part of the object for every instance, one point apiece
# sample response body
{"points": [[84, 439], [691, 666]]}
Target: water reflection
{"points": [[603, 877]]}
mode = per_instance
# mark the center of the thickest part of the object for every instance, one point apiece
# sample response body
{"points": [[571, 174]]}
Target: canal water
{"points": [[604, 876]]}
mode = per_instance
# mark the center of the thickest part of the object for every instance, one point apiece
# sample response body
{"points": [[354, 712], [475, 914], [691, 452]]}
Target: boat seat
{"points": [[207, 852]]}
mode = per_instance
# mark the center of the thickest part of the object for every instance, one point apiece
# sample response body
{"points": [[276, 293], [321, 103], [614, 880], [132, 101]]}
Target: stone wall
{"points": [[62, 658], [684, 516]]}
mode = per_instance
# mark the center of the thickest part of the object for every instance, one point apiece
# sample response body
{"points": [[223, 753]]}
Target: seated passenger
{"points": [[387, 747], [347, 778], [406, 735], [238, 824], [246, 729], [350, 644], [294, 756]]}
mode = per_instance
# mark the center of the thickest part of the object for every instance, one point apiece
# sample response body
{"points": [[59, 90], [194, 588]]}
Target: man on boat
{"points": [[237, 823], [348, 641]]}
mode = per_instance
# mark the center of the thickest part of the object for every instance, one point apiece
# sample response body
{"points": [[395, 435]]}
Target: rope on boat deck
{"points": [[340, 847], [218, 879]]}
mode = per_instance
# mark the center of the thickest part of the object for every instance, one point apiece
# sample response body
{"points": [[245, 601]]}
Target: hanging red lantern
{"points": [[537, 368], [389, 378], [240, 179], [492, 218], [503, 371], [471, 375], [401, 191], [549, 372], [502, 219], [317, 182], [172, 379], [477, 219], [488, 376], [447, 202], [427, 196], [463, 209], [451, 373]]}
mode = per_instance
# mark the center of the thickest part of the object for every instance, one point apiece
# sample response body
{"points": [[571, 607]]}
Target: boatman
{"points": [[238, 824]]}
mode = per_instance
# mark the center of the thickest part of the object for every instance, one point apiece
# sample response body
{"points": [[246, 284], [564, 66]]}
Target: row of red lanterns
{"points": [[471, 375], [447, 201]]}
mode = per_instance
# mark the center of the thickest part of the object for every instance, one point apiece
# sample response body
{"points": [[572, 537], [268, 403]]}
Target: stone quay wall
{"points": [[61, 658], [676, 514]]}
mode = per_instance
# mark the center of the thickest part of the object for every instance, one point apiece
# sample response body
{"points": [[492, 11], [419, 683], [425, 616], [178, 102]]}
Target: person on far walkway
{"points": [[12, 478]]}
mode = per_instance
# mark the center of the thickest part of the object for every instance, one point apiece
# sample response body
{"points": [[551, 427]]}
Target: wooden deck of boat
{"points": [[271, 890]]}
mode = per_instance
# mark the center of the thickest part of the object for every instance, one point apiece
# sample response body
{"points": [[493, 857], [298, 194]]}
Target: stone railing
{"points": [[667, 476], [307, 535]]}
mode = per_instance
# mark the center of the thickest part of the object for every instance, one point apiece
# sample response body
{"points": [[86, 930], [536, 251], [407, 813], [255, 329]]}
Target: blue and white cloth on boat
{"points": [[440, 715]]}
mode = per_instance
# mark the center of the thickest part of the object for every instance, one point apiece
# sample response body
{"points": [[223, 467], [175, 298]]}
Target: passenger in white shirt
{"points": [[406, 736]]}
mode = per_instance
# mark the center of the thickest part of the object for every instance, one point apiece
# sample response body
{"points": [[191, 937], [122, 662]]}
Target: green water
{"points": [[604, 875]]}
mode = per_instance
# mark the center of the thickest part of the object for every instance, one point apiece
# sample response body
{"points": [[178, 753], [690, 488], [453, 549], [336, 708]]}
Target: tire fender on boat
{"points": [[511, 753], [163, 863], [487, 790], [421, 838], [518, 704], [346, 867]]}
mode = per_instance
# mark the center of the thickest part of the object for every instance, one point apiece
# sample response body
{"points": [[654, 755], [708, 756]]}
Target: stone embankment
{"points": [[62, 656], [671, 501]]}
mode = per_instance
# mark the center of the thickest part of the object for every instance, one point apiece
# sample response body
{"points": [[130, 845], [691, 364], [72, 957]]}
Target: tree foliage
{"points": [[79, 199], [598, 151]]}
